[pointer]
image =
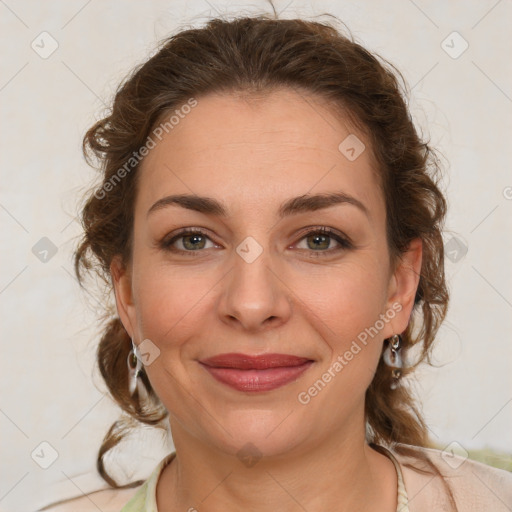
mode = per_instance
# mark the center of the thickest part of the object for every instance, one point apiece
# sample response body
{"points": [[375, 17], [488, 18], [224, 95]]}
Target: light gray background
{"points": [[50, 392]]}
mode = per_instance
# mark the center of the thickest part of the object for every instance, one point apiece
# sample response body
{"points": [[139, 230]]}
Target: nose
{"points": [[254, 297]]}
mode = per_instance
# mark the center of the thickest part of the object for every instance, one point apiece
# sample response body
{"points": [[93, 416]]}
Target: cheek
{"points": [[171, 306], [346, 307], [349, 298], [169, 300]]}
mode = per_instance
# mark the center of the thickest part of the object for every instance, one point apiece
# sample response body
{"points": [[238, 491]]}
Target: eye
{"points": [[322, 239], [189, 240]]}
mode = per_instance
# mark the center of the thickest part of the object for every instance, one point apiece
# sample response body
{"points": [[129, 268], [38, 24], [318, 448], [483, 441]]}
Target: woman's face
{"points": [[260, 278]]}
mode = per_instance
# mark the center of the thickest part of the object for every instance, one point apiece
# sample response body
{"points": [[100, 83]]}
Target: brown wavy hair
{"points": [[255, 55]]}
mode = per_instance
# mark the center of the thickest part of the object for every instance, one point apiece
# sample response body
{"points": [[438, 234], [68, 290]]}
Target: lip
{"points": [[256, 373]]}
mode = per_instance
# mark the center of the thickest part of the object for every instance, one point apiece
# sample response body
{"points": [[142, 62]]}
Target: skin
{"points": [[293, 299]]}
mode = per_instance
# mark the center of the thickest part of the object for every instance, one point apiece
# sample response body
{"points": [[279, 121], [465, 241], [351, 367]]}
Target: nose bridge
{"points": [[253, 296]]}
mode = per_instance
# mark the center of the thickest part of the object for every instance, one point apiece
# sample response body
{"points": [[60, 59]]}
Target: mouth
{"points": [[256, 373]]}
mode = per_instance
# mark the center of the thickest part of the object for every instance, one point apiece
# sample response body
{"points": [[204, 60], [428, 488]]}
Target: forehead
{"points": [[252, 150]]}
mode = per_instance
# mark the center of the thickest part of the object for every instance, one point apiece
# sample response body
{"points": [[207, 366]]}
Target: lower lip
{"points": [[257, 380]]}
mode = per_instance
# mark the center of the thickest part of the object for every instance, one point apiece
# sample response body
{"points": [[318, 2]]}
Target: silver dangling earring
{"points": [[393, 358], [134, 367]]}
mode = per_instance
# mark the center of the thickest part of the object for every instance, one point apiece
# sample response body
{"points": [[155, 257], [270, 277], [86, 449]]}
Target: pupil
{"points": [[320, 238]]}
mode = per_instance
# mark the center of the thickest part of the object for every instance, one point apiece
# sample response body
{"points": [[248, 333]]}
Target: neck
{"points": [[338, 475]]}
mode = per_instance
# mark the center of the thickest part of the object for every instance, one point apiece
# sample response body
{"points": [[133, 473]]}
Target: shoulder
{"points": [[106, 500], [113, 500], [475, 486]]}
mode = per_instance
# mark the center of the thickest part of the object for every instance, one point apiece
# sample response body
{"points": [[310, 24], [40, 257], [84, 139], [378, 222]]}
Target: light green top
{"points": [[145, 498]]}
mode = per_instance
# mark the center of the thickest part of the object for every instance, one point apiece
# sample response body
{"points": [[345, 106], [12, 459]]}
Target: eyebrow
{"points": [[300, 204]]}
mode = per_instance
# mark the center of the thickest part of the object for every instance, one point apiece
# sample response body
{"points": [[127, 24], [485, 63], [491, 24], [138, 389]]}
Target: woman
{"points": [[270, 223]]}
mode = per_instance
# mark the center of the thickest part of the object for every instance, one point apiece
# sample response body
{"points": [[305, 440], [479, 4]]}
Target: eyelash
{"points": [[344, 242]]}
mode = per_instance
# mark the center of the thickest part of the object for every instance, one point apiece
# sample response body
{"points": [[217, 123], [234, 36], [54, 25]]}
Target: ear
{"points": [[403, 285], [121, 279]]}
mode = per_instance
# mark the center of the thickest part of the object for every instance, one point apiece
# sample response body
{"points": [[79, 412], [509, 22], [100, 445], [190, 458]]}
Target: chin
{"points": [[257, 433]]}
